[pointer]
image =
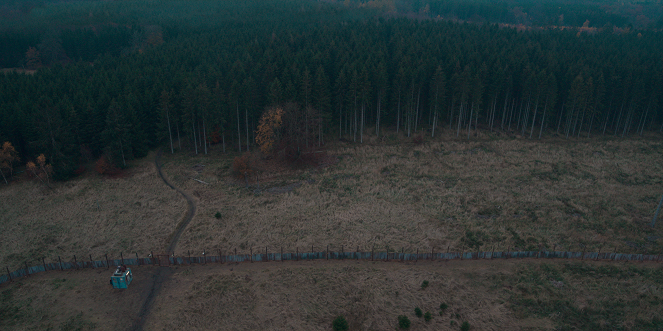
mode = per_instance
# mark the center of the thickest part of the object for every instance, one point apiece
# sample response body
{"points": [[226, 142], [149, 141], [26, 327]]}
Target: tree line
{"points": [[337, 72]]}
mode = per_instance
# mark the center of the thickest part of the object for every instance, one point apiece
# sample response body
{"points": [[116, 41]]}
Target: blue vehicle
{"points": [[122, 277]]}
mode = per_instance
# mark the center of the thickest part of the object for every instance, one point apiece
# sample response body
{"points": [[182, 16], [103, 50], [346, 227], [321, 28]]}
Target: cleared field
{"points": [[87, 216], [595, 194], [70, 300], [506, 192], [489, 295], [443, 194]]}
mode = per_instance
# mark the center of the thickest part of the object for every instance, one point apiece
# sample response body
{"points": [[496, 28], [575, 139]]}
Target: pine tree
{"points": [[321, 99], [165, 107], [117, 133]]}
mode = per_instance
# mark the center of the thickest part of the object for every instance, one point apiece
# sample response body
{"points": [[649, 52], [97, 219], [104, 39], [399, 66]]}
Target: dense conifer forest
{"points": [[117, 78]]}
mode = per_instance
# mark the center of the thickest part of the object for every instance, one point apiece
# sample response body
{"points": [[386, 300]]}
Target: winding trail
{"points": [[162, 274]]}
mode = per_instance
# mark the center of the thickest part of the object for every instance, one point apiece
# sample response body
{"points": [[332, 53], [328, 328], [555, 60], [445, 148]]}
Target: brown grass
{"points": [[308, 296], [91, 215], [526, 195], [445, 192], [491, 295], [70, 300]]}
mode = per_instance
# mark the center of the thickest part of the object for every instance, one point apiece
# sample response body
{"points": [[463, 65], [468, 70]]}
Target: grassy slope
{"points": [[490, 295], [87, 216], [70, 300], [494, 192], [526, 195]]}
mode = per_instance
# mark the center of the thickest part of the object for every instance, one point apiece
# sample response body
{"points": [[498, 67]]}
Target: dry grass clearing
{"points": [[309, 295], [86, 216], [587, 296], [597, 194], [70, 300], [489, 295], [593, 194]]}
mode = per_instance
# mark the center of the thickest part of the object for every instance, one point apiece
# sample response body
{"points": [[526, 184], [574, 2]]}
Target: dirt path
{"points": [[160, 275]]}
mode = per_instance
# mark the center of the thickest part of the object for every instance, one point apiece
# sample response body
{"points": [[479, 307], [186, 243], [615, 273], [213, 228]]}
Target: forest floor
{"points": [[491, 192]]}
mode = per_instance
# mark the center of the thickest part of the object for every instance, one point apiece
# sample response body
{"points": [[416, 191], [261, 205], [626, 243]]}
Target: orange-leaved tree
{"points": [[104, 167], [243, 165], [40, 170], [268, 129], [8, 156]]}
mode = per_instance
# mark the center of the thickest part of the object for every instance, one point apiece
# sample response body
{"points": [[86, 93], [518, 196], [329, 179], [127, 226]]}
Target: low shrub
{"points": [[340, 324], [418, 312], [404, 322]]}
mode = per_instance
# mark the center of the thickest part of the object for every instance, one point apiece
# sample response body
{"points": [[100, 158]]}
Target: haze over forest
{"points": [[116, 78]]}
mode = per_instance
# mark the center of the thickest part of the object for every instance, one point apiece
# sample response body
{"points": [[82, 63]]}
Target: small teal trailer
{"points": [[122, 277]]}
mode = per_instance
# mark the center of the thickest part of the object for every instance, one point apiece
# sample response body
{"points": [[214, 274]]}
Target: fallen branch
{"points": [[198, 180]]}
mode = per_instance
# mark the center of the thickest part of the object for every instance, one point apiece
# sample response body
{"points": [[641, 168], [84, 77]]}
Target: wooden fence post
{"points": [[44, 262], [583, 252], [137, 259], [597, 255], [220, 258], [250, 254], [75, 262], [357, 253], [297, 253], [461, 252], [204, 258], [387, 253], [122, 257], [507, 252], [402, 254], [432, 253], [266, 256], [492, 253], [327, 254], [59, 259], [372, 249], [416, 257], [91, 262], [281, 253], [9, 274], [27, 271], [342, 253]]}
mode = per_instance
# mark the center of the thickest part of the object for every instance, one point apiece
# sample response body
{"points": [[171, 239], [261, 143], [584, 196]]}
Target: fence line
{"points": [[164, 260]]}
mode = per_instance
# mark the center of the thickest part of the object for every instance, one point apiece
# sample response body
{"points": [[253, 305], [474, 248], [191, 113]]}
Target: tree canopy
{"points": [[118, 78]]}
